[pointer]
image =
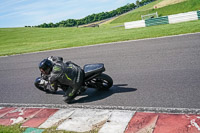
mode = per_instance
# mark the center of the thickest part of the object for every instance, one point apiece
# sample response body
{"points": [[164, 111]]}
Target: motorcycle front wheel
{"points": [[38, 86]]}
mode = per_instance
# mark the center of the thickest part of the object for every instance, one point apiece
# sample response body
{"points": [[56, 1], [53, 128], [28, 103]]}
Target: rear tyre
{"points": [[104, 82]]}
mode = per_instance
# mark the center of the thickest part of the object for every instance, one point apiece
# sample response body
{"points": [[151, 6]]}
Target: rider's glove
{"points": [[51, 87]]}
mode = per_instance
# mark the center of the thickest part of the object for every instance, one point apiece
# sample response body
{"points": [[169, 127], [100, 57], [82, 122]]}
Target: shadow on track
{"points": [[94, 95]]}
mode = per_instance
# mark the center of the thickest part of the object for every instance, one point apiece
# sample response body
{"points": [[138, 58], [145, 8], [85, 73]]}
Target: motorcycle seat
{"points": [[92, 69]]}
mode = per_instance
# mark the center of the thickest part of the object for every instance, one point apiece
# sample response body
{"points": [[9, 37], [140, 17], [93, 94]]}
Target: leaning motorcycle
{"points": [[94, 78]]}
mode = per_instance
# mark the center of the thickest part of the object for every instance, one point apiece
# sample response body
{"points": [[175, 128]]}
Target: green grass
{"points": [[17, 129], [11, 129], [24, 40], [147, 7], [186, 6]]}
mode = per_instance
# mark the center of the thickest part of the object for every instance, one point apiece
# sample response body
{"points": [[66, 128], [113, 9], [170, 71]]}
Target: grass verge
{"points": [[25, 40], [186, 6], [11, 129], [17, 129]]}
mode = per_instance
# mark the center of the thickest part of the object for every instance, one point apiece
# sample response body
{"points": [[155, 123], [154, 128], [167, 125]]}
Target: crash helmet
{"points": [[46, 66]]}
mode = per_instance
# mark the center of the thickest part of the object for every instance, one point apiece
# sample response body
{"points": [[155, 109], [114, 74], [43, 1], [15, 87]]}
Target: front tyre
{"points": [[38, 85], [104, 82]]}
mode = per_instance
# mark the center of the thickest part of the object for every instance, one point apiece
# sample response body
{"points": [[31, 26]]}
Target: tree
{"points": [[93, 17], [51, 25], [138, 3]]}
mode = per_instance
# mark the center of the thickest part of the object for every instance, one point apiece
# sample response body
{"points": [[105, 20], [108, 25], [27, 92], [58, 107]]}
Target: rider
{"points": [[68, 74]]}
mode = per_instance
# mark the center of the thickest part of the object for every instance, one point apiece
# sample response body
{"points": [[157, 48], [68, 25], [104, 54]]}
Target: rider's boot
{"points": [[82, 90], [69, 95]]}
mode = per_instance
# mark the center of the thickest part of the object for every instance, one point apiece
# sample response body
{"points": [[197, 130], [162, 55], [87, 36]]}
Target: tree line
{"points": [[95, 17]]}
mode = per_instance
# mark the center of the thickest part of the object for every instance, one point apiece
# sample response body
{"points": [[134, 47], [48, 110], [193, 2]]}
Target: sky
{"points": [[20, 13]]}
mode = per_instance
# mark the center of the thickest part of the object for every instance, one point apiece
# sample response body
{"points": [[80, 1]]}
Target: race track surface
{"points": [[161, 72]]}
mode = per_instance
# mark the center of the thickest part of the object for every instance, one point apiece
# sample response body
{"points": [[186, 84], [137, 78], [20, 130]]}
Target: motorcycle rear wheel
{"points": [[104, 82]]}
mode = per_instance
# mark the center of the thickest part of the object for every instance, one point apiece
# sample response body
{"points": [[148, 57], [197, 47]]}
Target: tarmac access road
{"points": [[160, 72]]}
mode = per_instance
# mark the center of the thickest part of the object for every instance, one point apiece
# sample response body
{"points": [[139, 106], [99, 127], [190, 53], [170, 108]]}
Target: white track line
{"points": [[137, 109]]}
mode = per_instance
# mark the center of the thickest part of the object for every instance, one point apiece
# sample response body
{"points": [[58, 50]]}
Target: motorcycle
{"points": [[93, 78]]}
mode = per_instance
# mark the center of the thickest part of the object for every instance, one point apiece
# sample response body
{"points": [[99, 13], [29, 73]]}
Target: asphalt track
{"points": [[161, 72]]}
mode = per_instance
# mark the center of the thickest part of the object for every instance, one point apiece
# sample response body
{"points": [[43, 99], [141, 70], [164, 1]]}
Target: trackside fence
{"points": [[171, 19], [198, 13], [157, 21]]}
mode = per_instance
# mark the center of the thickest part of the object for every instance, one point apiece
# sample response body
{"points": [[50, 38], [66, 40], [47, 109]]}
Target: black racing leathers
{"points": [[68, 74]]}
